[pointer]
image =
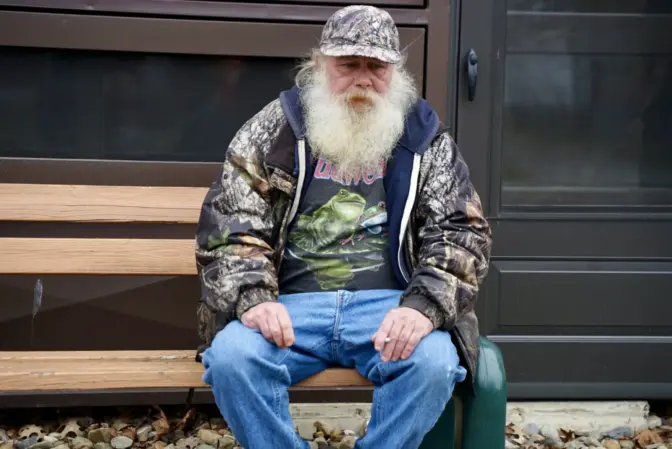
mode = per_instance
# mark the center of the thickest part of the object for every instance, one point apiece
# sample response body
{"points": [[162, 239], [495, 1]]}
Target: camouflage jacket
{"points": [[439, 239]]}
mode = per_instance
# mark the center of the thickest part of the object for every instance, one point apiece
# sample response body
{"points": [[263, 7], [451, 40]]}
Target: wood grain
{"points": [[113, 370], [97, 256], [82, 203]]}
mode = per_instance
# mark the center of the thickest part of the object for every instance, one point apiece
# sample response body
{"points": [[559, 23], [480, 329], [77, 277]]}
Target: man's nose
{"points": [[363, 81]]}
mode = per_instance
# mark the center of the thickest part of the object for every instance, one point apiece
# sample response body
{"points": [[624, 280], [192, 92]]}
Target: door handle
{"points": [[472, 74]]}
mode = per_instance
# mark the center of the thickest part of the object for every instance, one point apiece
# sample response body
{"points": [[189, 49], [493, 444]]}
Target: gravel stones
{"points": [[121, 442], [101, 435], [151, 428], [657, 436]]}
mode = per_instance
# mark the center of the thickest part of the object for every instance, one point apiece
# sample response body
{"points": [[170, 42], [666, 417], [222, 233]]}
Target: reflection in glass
{"points": [[599, 121], [133, 106]]}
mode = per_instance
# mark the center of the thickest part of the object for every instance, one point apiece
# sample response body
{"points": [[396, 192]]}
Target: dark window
{"points": [[587, 121], [80, 104]]}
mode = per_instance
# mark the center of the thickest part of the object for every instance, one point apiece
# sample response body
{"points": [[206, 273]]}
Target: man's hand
{"points": [[272, 319], [404, 327]]}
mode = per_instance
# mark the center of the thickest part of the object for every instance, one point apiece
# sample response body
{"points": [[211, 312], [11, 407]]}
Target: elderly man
{"points": [[342, 230]]}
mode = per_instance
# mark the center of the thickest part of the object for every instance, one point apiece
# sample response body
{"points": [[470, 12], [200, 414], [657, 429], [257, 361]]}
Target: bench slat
{"points": [[110, 370], [84, 203], [163, 257]]}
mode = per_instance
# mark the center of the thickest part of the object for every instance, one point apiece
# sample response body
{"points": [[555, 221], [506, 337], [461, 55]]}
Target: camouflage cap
{"points": [[361, 30]]}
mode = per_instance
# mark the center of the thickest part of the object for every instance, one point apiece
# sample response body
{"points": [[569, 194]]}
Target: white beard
{"points": [[356, 140]]}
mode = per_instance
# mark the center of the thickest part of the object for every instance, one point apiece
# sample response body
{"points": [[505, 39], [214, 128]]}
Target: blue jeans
{"points": [[250, 376]]}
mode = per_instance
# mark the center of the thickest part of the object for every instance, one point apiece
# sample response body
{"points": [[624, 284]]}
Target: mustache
{"points": [[360, 98]]}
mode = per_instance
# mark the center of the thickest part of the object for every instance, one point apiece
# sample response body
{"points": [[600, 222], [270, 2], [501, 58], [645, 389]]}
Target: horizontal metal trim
{"points": [[165, 397], [586, 391], [108, 172], [225, 10], [608, 339], [150, 34]]}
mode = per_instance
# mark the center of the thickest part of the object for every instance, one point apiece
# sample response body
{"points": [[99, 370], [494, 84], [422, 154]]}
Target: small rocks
{"points": [[143, 433], [227, 442], [42, 445], [101, 435], [121, 442], [208, 437], [26, 442], [611, 444], [102, 446], [30, 430], [590, 441], [657, 436], [151, 428], [81, 443], [70, 429], [620, 433], [320, 443], [347, 442], [654, 421], [187, 443], [551, 436]]}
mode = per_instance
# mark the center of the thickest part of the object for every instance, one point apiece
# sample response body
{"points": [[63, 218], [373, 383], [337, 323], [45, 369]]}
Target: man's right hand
{"points": [[272, 319]]}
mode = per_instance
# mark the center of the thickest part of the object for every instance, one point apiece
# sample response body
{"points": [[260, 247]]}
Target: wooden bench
{"points": [[471, 421]]}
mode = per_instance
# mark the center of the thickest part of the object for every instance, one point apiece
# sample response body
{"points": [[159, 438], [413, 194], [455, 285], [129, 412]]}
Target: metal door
{"points": [[564, 114]]}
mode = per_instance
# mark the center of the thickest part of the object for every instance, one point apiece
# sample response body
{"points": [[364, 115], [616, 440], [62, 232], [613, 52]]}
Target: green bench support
{"points": [[475, 420]]}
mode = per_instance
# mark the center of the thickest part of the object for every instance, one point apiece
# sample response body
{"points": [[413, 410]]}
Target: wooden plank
{"points": [[82, 203], [112, 370], [97, 256]]}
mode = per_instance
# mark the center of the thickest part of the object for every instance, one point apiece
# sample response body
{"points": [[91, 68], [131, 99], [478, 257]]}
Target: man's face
{"points": [[356, 77], [355, 109]]}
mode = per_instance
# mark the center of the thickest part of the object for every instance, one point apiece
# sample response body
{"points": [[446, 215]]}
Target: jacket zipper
{"points": [[408, 208], [291, 212]]}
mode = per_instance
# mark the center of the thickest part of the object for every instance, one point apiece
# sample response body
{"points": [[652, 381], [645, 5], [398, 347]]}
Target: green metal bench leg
{"points": [[478, 420], [442, 434], [485, 411]]}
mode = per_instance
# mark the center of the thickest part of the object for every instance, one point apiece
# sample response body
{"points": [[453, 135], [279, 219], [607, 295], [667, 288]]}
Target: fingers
{"points": [[413, 341], [404, 340], [261, 323], [394, 334], [382, 333], [273, 320], [286, 328], [274, 327], [399, 334]]}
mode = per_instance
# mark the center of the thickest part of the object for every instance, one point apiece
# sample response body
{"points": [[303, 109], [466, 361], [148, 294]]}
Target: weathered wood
{"points": [[161, 257], [114, 370], [83, 203]]}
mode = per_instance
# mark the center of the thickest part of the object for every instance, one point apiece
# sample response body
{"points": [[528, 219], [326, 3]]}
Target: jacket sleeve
{"points": [[452, 237], [234, 249]]}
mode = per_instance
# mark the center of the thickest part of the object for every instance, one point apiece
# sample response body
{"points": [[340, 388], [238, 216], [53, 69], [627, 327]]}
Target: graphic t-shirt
{"points": [[339, 239]]}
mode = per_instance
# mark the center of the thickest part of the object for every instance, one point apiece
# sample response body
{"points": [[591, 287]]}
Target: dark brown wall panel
{"points": [[99, 313], [581, 297]]}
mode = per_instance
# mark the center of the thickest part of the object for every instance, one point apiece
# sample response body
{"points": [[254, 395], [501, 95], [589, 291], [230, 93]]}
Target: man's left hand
{"points": [[404, 327]]}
